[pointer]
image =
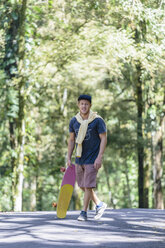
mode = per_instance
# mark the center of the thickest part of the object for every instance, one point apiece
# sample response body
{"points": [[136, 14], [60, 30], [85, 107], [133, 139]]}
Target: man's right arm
{"points": [[71, 145]]}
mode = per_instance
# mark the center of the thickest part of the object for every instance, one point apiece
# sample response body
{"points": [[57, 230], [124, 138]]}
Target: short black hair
{"points": [[85, 97]]}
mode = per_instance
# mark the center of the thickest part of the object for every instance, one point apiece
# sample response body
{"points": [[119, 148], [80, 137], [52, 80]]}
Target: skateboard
{"points": [[66, 191]]}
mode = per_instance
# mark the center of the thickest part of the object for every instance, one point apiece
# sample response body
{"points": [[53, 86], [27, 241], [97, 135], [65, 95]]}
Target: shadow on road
{"points": [[126, 228]]}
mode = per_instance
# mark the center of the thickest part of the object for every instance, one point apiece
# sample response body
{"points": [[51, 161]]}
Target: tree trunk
{"points": [[140, 142], [109, 187], [18, 184], [13, 66], [128, 186], [140, 36], [158, 165], [146, 182], [39, 192], [13, 159], [18, 171], [33, 187]]}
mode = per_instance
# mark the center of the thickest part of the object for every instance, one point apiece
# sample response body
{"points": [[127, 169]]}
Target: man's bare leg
{"points": [[87, 198], [94, 198], [89, 194]]}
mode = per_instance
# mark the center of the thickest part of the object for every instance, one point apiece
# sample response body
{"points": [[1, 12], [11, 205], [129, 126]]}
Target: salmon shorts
{"points": [[86, 175]]}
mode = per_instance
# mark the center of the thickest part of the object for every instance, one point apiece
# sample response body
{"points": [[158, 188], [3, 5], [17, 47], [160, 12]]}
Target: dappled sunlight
{"points": [[116, 228]]}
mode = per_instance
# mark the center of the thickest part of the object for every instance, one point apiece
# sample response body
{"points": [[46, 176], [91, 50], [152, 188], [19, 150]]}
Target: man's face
{"points": [[84, 106]]}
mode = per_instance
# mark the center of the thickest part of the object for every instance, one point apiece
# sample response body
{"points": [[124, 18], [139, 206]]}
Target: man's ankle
{"points": [[83, 211], [100, 204]]}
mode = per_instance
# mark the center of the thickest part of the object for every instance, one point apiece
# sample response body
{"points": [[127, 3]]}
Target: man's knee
{"points": [[88, 189]]}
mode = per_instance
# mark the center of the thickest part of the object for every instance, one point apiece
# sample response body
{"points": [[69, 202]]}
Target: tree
{"points": [[15, 80]]}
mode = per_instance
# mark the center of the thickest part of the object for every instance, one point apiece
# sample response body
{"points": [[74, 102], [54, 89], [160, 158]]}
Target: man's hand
{"points": [[69, 162], [62, 169], [97, 163]]}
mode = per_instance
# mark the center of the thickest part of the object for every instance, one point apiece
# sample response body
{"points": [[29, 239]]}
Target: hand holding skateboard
{"points": [[62, 169]]}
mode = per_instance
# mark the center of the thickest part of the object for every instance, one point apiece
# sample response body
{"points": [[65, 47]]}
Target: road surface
{"points": [[122, 228]]}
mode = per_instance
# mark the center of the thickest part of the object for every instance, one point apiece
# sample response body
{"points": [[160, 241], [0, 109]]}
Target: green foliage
{"points": [[74, 47]]}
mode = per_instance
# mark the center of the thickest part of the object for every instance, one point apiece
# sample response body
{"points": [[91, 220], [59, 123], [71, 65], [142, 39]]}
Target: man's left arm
{"points": [[98, 161]]}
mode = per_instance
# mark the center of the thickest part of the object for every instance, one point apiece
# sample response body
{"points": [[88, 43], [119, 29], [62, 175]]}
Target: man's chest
{"points": [[91, 129]]}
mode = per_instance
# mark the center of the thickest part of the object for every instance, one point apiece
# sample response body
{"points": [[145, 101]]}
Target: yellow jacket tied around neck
{"points": [[83, 129]]}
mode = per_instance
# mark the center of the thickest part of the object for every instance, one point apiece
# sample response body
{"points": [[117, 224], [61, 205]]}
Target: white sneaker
{"points": [[100, 211], [82, 216]]}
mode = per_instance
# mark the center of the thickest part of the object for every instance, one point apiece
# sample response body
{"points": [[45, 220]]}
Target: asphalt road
{"points": [[123, 228]]}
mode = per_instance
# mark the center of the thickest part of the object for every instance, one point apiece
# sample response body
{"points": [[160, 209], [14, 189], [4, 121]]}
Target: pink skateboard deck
{"points": [[66, 191]]}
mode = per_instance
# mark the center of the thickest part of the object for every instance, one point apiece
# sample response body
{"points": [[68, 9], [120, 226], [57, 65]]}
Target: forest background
{"points": [[50, 52]]}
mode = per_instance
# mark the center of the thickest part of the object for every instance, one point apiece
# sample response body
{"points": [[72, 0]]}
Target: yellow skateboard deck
{"points": [[66, 191]]}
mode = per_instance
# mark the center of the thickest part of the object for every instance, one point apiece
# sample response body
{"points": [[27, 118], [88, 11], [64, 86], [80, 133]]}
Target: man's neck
{"points": [[85, 117]]}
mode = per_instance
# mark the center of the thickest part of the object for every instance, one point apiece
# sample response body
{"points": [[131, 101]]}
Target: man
{"points": [[88, 131]]}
